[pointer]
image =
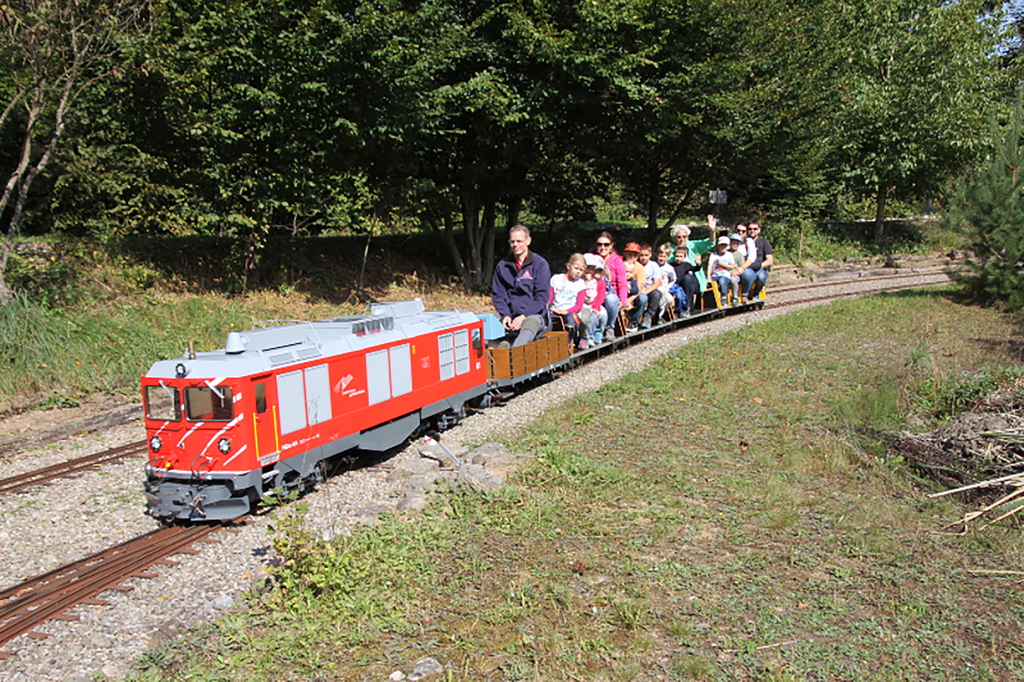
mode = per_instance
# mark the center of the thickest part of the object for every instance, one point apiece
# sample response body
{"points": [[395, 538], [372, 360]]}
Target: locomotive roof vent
{"points": [[236, 343], [398, 308], [373, 325]]}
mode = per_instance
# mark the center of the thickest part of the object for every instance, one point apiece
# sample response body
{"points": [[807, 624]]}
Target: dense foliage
{"points": [[988, 204], [252, 119]]}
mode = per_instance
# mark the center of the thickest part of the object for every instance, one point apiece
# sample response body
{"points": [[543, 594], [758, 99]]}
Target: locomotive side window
{"points": [[163, 403], [462, 351], [378, 377], [204, 404], [291, 401], [318, 394], [260, 391], [478, 345], [446, 356], [401, 370]]}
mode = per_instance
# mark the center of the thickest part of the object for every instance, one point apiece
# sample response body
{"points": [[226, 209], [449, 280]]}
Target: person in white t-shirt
{"points": [[568, 293]]}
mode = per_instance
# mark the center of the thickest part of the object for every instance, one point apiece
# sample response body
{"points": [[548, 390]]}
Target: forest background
{"points": [[176, 119]]}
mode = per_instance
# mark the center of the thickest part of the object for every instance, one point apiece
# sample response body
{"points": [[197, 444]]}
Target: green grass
{"points": [[63, 354], [53, 355], [736, 530]]}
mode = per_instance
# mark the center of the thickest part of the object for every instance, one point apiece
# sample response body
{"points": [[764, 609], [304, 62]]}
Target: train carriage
{"points": [[264, 413], [270, 409]]}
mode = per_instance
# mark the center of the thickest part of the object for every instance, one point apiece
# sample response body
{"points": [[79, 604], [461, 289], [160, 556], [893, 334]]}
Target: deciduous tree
{"points": [[54, 50], [911, 85]]}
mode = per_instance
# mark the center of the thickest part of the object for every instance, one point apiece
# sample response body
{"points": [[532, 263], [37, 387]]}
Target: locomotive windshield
{"points": [[163, 403], [203, 403]]}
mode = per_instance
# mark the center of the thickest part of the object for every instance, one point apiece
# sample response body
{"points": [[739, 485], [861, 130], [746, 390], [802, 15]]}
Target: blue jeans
{"points": [[594, 322], [637, 313], [723, 283], [612, 305], [752, 281]]}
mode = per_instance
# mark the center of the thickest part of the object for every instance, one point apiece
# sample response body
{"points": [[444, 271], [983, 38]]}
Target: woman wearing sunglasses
{"points": [[615, 271]]}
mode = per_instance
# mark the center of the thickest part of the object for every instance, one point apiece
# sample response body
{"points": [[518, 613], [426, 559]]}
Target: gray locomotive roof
{"points": [[261, 350]]}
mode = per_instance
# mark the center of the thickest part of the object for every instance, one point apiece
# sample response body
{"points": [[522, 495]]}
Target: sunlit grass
{"points": [[107, 345], [739, 530]]}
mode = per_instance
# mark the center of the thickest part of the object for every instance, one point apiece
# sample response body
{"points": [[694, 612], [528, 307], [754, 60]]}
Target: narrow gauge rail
{"points": [[70, 467], [934, 278], [49, 596], [854, 277], [940, 276]]}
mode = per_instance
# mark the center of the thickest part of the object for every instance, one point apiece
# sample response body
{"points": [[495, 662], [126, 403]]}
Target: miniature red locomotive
{"points": [[267, 411], [271, 409]]}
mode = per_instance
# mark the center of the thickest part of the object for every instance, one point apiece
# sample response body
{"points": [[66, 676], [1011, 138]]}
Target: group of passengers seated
{"points": [[586, 299]]}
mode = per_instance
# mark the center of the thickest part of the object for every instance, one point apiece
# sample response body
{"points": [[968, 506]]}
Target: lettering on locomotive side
{"points": [[269, 459], [301, 441], [343, 383]]}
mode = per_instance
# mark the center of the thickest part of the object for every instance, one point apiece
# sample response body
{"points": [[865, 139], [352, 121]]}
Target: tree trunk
{"points": [[474, 246], [513, 208], [880, 215], [453, 248], [653, 204], [5, 251], [678, 209], [490, 217]]}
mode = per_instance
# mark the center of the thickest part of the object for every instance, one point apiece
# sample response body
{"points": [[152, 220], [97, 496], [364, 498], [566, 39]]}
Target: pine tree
{"points": [[988, 206]]}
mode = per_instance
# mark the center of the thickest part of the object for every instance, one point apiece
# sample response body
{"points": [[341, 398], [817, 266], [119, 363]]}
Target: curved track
{"points": [[780, 297], [49, 596], [70, 467], [867, 285]]}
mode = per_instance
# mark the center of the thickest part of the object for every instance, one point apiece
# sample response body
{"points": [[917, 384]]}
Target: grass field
{"points": [[738, 529]]}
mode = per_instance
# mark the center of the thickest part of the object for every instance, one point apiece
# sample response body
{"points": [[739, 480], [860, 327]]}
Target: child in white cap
{"points": [[594, 316], [721, 263]]}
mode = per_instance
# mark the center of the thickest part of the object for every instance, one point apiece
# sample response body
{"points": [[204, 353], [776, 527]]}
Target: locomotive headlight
{"points": [[224, 445], [180, 370], [155, 443]]}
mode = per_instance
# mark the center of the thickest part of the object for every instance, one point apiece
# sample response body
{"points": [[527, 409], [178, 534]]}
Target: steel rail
{"points": [[941, 278], [840, 281], [70, 467], [47, 597]]}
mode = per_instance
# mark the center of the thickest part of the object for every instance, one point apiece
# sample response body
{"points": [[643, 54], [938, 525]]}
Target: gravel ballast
{"points": [[48, 527]]}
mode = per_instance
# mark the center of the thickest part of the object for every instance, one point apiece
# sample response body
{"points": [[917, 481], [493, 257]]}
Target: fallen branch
{"points": [[982, 484], [767, 646]]}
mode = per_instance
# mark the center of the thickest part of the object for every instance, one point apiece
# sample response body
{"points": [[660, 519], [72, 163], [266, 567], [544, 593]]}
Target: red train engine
{"points": [[267, 411]]}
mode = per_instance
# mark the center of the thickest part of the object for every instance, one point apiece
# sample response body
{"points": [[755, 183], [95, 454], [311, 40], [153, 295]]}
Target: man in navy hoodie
{"points": [[520, 289]]}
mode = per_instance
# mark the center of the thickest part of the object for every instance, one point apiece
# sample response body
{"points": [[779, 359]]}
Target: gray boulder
{"points": [[479, 479]]}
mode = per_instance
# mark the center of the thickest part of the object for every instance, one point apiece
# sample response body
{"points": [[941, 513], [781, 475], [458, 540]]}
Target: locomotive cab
{"points": [[196, 441]]}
